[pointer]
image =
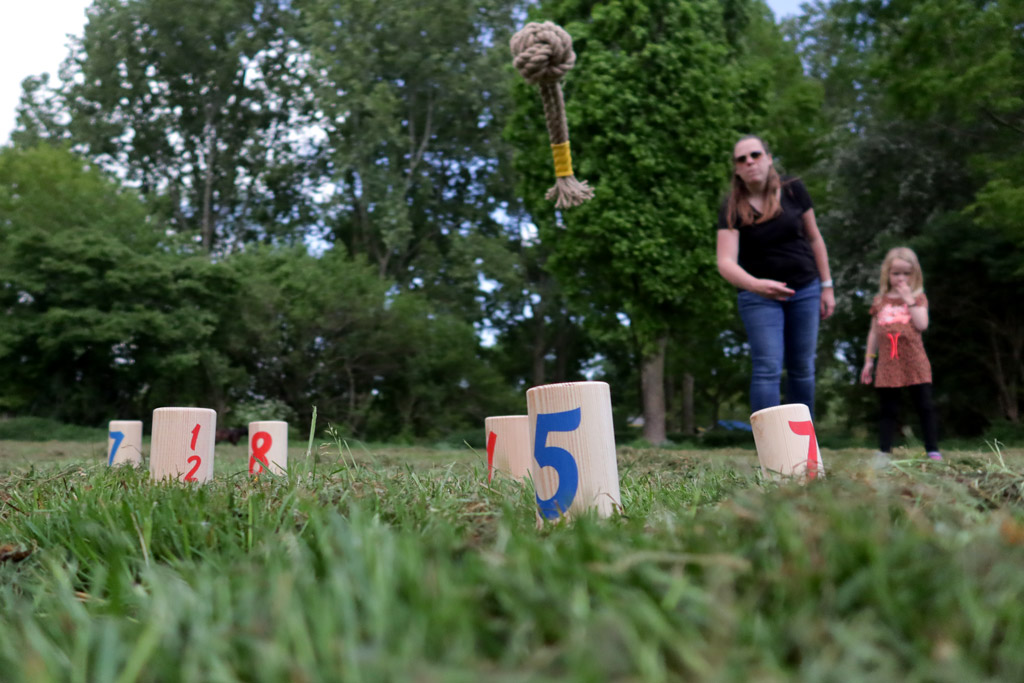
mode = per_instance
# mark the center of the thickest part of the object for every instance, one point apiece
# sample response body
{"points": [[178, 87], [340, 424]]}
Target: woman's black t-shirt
{"points": [[777, 249]]}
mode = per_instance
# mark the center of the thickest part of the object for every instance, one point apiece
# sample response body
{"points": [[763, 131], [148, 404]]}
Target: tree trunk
{"points": [[540, 349], [687, 411], [716, 402], [209, 159], [652, 382]]}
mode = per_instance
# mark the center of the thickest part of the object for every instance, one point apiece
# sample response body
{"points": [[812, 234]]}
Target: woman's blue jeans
{"points": [[782, 333]]}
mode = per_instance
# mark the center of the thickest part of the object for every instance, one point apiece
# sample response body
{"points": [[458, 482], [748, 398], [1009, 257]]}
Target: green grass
{"points": [[45, 429], [371, 564]]}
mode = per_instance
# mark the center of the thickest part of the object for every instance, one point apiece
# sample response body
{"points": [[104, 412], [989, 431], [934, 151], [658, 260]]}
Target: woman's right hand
{"points": [[772, 289], [866, 371]]}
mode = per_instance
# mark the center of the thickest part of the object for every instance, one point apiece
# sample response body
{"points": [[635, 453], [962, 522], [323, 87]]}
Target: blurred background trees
{"points": [[341, 204]]}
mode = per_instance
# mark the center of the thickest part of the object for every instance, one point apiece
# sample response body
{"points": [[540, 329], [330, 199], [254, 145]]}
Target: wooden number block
{"points": [[508, 445], [573, 446], [786, 443], [182, 445], [268, 447], [124, 443]]}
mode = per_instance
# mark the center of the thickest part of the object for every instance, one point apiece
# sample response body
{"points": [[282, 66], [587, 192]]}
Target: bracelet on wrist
{"points": [[871, 356], [826, 284]]}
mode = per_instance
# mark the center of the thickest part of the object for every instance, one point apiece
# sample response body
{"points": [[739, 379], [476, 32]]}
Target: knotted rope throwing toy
{"points": [[542, 53]]}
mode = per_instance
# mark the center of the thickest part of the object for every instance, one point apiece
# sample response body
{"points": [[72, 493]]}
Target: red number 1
{"points": [[806, 428], [492, 438]]}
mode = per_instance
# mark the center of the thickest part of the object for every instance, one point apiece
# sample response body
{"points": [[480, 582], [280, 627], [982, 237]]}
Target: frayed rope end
{"points": [[569, 192]]}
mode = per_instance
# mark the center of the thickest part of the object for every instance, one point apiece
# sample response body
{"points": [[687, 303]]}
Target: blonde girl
{"points": [[899, 314]]}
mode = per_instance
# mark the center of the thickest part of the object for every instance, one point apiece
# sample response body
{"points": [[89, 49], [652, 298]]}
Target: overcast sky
{"points": [[34, 36]]}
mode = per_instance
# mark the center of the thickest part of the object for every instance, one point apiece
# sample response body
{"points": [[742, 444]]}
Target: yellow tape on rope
{"points": [[563, 159]]}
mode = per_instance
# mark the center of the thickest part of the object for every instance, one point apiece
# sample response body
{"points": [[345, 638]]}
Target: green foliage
{"points": [[46, 429], [927, 104], [410, 100], [197, 103], [376, 361], [380, 129], [788, 100], [651, 115], [102, 321], [251, 410]]}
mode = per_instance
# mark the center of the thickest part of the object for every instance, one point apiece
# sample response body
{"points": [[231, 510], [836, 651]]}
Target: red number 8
{"points": [[259, 453]]}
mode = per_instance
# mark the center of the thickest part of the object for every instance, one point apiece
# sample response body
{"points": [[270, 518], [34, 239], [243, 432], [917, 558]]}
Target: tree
{"points": [[197, 103], [100, 319], [377, 361], [413, 102], [652, 112], [927, 103]]}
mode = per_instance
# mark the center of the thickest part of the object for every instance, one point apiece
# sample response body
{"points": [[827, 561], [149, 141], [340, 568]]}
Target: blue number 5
{"points": [[118, 437], [559, 458]]}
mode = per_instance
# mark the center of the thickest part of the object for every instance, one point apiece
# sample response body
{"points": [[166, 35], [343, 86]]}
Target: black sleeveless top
{"points": [[778, 249]]}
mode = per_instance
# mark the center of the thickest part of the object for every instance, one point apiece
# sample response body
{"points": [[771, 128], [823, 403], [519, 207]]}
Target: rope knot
{"points": [[542, 53]]}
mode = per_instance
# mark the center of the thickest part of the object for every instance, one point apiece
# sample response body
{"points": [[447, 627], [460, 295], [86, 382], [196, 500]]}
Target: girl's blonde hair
{"points": [[904, 254]]}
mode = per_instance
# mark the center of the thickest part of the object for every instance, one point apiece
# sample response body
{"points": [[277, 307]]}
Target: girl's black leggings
{"points": [[890, 413]]}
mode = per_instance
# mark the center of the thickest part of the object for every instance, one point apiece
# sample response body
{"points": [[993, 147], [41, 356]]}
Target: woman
{"points": [[769, 247]]}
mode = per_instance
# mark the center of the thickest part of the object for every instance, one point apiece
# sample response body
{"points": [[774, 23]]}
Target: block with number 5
{"points": [[572, 439]]}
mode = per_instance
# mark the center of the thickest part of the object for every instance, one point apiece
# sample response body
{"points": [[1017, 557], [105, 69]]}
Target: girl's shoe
{"points": [[881, 460], [935, 455]]}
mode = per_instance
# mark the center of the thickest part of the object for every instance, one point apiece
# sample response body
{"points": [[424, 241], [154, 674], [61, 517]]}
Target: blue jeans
{"points": [[782, 332]]}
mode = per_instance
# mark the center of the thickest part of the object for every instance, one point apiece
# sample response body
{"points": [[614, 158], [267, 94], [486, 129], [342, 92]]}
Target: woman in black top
{"points": [[770, 248]]}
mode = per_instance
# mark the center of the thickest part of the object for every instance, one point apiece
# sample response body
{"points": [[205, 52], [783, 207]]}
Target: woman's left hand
{"points": [[828, 302]]}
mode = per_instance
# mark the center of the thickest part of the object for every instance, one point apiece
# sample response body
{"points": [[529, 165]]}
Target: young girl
{"points": [[899, 314]]}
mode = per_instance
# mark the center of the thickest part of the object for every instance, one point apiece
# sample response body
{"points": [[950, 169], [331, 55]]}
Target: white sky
{"points": [[34, 38]]}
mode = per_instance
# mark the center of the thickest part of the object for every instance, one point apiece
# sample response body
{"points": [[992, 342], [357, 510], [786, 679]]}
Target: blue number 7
{"points": [[559, 458], [118, 437]]}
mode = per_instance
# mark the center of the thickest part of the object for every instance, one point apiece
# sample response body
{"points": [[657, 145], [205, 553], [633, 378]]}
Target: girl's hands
{"points": [[866, 372], [828, 302], [773, 289], [903, 289]]}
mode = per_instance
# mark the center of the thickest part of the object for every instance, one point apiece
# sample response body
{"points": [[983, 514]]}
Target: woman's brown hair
{"points": [[739, 196]]}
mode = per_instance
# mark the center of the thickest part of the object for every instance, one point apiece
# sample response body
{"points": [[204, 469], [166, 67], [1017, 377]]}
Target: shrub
{"points": [[47, 429]]}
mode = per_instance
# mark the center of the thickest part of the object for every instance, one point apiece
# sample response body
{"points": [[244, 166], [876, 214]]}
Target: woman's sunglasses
{"points": [[742, 159]]}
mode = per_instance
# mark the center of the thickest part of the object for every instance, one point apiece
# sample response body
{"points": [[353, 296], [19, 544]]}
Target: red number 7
{"points": [[806, 428]]}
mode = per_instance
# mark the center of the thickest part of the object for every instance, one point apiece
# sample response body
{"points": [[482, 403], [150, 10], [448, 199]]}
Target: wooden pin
{"points": [[182, 447], [508, 445], [268, 447], [573, 445], [124, 443], [786, 443]]}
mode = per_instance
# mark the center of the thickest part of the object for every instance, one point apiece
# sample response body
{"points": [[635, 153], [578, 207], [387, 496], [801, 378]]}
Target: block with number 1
{"points": [[182, 445], [786, 443]]}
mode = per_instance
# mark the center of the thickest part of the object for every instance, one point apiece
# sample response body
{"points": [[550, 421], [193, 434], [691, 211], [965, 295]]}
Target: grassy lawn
{"points": [[381, 563]]}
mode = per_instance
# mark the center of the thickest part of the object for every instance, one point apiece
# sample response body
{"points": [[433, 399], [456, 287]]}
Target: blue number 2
{"points": [[559, 458], [118, 437]]}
